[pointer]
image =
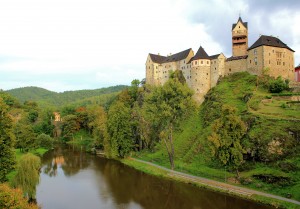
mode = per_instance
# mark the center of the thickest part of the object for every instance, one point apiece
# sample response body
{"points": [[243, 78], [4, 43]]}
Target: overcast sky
{"points": [[86, 44]]}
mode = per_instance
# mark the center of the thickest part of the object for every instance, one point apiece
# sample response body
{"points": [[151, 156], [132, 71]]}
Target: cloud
{"points": [[101, 43]]}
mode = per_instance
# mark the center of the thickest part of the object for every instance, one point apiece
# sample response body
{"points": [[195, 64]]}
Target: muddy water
{"points": [[72, 179]]}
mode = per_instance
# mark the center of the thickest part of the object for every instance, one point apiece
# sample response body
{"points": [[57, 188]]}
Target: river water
{"points": [[70, 178]]}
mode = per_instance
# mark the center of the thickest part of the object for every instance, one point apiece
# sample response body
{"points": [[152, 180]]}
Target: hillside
{"points": [[46, 97], [272, 159]]}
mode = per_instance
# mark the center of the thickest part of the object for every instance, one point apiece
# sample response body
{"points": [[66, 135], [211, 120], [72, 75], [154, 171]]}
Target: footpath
{"points": [[216, 184]]}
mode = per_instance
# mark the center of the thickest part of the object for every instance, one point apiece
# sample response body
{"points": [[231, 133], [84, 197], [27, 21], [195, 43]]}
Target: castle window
{"points": [[255, 60], [201, 62], [206, 73], [149, 67], [255, 51], [283, 63], [229, 69], [156, 67], [183, 61], [269, 61], [207, 62], [269, 54], [195, 62], [215, 62], [250, 61]]}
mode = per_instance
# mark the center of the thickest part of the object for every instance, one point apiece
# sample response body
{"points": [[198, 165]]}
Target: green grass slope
{"points": [[271, 171]]}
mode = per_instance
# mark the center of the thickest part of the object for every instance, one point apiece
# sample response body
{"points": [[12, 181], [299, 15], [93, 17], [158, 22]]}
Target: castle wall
{"points": [[217, 69], [235, 66], [280, 61]]}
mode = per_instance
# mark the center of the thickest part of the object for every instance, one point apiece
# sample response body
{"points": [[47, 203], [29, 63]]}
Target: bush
{"points": [[44, 140], [13, 198], [278, 85]]}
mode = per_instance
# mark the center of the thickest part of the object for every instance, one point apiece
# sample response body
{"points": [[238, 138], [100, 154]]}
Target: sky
{"points": [[65, 45]]}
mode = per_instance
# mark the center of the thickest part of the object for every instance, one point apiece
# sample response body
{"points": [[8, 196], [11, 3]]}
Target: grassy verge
{"points": [[164, 174]]}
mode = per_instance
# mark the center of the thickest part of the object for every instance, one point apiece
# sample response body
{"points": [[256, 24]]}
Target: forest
{"points": [[246, 128]]}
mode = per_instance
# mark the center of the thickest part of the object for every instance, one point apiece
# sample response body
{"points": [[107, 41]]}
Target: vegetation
{"points": [[241, 127], [227, 132], [7, 158], [13, 198], [49, 98], [27, 176]]}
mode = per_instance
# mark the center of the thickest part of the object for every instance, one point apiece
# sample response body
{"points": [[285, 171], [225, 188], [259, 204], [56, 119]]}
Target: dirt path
{"points": [[216, 184]]}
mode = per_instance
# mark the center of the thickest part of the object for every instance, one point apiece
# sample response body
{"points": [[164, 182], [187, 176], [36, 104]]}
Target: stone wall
{"points": [[235, 66]]}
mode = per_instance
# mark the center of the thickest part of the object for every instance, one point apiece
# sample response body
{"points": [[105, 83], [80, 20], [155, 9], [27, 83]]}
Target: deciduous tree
{"points": [[165, 106], [227, 133], [7, 140]]}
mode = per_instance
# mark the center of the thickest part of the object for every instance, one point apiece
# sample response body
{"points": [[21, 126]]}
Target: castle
{"points": [[202, 71]]}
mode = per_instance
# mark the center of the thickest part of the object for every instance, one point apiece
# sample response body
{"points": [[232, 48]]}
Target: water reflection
{"points": [[73, 179]]}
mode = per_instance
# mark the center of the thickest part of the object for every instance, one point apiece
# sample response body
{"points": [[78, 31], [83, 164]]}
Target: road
{"points": [[216, 184]]}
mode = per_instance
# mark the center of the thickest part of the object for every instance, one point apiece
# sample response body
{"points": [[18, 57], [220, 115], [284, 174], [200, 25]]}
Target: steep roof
{"points": [[236, 58], [157, 58], [178, 56], [201, 54], [173, 58], [269, 41], [212, 57], [245, 24]]}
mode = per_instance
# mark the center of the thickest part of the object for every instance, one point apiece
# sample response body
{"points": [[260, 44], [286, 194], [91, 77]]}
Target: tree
{"points": [[227, 132], [44, 140], [119, 130], [25, 136], [27, 176], [70, 126], [7, 141], [165, 106], [98, 125], [13, 198]]}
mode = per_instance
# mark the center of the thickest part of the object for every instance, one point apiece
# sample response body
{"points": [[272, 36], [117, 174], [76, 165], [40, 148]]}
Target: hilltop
{"points": [[46, 97]]}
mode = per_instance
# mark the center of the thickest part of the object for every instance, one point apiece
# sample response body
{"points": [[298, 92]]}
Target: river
{"points": [[71, 178]]}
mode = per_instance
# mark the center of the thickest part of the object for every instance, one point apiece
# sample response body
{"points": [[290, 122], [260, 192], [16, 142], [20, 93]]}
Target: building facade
{"points": [[297, 73], [201, 71]]}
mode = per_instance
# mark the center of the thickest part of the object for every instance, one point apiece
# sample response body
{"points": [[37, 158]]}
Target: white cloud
{"points": [[106, 42]]}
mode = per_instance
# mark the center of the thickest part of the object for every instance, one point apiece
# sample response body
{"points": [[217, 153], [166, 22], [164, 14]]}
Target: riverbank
{"points": [[38, 152], [253, 195]]}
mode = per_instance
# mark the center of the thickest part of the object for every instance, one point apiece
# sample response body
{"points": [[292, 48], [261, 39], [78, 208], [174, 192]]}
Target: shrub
{"points": [[13, 198], [278, 85]]}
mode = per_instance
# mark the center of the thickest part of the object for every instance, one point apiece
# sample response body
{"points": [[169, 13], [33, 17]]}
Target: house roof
{"points": [[173, 58], [201, 54], [236, 58], [212, 57], [269, 41], [245, 24], [178, 56], [157, 58]]}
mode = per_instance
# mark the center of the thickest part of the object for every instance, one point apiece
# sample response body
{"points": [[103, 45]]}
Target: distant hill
{"points": [[46, 97]]}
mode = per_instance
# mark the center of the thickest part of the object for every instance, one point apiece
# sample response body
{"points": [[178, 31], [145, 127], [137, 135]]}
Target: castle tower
{"points": [[200, 74], [239, 38]]}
